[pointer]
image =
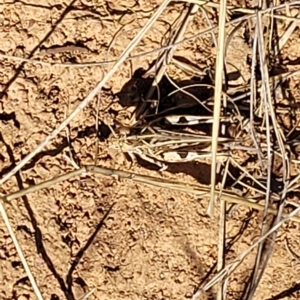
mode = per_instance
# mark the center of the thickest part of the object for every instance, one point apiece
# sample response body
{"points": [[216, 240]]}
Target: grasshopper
{"points": [[162, 147]]}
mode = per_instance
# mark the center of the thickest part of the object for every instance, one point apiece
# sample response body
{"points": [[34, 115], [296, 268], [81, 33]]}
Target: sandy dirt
{"points": [[126, 240]]}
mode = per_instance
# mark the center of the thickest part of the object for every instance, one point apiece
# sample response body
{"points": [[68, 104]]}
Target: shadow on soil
{"points": [[290, 293], [133, 93], [66, 286]]}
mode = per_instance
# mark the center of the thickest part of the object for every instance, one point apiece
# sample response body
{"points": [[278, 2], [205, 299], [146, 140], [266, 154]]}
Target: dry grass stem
{"points": [[217, 100], [237, 261], [20, 252], [92, 94], [219, 110], [149, 180]]}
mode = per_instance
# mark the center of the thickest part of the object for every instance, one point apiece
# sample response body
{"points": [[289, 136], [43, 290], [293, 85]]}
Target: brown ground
{"points": [[153, 243]]}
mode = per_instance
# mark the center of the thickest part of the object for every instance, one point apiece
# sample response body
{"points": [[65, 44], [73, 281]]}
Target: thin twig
{"points": [[164, 60], [149, 180], [84, 297], [265, 104], [217, 104], [222, 234], [284, 38], [20, 252], [236, 262], [92, 94], [202, 33]]}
